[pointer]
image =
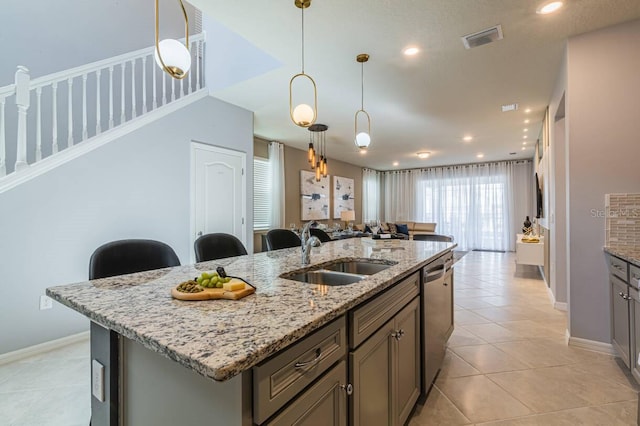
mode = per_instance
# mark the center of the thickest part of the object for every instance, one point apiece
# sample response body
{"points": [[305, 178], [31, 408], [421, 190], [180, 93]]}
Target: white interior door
{"points": [[218, 191]]}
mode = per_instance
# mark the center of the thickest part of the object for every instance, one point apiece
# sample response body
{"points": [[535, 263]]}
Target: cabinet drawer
{"points": [[634, 276], [280, 378], [618, 267], [366, 319]]}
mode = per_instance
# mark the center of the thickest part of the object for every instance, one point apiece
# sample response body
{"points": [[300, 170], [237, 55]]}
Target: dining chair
{"points": [[281, 238]]}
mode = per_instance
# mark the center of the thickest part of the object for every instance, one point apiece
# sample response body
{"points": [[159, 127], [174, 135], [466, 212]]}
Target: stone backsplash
{"points": [[622, 212]]}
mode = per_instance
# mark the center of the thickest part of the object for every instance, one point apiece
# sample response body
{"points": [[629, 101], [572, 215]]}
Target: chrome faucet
{"points": [[308, 241]]}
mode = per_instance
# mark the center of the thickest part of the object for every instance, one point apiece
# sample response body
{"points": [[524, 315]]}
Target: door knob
{"points": [[200, 234]]}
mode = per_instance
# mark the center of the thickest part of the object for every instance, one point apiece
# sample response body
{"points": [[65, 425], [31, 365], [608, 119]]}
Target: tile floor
{"points": [[507, 364]]}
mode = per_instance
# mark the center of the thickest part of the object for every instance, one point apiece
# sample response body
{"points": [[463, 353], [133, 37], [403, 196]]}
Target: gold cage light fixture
{"points": [[362, 138], [303, 114], [317, 153], [172, 56]]}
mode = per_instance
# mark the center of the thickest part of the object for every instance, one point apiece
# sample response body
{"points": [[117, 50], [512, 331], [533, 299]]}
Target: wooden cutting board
{"points": [[214, 293]]}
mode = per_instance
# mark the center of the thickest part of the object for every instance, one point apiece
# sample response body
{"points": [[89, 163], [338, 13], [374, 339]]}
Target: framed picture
{"points": [[343, 195], [314, 196]]}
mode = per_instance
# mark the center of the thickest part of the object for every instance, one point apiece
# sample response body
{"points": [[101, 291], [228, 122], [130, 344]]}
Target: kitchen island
{"points": [[165, 358]]}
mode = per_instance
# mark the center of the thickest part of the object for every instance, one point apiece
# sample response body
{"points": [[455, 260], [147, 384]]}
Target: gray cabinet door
{"points": [[448, 294], [323, 404], [620, 337], [371, 376], [406, 386], [635, 332]]}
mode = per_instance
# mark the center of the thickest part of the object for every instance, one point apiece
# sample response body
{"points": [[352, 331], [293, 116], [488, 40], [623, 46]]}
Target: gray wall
{"points": [[49, 36], [134, 187], [602, 107]]}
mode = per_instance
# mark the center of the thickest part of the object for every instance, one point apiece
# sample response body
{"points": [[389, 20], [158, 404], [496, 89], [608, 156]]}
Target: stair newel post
{"points": [[23, 99], [3, 146], [54, 118], [39, 124]]}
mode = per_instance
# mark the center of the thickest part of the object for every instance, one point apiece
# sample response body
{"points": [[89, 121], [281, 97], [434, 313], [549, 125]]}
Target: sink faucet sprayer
{"points": [[308, 241]]}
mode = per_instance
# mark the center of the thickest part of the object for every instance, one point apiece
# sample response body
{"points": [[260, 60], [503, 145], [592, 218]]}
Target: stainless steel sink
{"points": [[325, 277], [339, 271], [357, 267]]}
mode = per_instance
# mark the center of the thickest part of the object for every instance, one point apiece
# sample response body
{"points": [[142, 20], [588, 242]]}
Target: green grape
{"points": [[205, 275], [199, 280], [219, 284], [227, 279], [205, 283]]}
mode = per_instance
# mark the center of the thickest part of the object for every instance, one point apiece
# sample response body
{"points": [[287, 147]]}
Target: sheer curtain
{"points": [[276, 165], [371, 192], [480, 205]]}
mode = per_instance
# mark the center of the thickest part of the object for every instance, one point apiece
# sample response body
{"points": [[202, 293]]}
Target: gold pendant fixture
{"points": [[362, 138], [303, 114], [317, 153], [171, 55]]}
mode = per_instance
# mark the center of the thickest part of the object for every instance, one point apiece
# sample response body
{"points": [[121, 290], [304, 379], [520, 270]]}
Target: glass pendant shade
{"points": [[310, 153], [303, 115], [363, 140], [175, 56], [172, 56], [318, 172]]}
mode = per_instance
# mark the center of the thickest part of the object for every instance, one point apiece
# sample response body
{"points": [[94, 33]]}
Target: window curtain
{"points": [[371, 193], [480, 205], [276, 163]]}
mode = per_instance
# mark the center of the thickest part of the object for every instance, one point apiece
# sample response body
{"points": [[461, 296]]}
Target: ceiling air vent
{"points": [[482, 37]]}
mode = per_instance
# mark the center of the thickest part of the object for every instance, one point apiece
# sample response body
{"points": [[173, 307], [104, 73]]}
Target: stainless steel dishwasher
{"points": [[437, 315]]}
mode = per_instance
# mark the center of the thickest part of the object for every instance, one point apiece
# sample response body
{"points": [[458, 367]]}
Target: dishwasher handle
{"points": [[434, 274]]}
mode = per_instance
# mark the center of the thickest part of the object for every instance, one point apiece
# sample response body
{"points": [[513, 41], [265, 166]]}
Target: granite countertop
{"points": [[222, 338], [629, 253]]}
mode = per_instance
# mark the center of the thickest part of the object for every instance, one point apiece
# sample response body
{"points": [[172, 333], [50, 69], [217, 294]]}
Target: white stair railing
{"points": [[112, 92]]}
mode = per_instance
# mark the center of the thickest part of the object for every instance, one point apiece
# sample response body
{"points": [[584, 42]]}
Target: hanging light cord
{"points": [[362, 85], [302, 9]]}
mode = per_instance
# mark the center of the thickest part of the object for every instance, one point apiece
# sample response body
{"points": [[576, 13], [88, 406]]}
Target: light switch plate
{"points": [[97, 380]]}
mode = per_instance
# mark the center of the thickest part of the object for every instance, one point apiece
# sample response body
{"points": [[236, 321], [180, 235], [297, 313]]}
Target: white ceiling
{"points": [[422, 103]]}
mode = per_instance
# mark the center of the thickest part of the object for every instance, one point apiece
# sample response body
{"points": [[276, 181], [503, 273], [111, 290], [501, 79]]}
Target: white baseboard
{"points": [[21, 354], [43, 166], [591, 345], [561, 306]]}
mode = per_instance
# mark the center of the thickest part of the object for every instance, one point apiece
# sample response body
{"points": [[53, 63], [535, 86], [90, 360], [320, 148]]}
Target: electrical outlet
{"points": [[45, 302], [97, 380]]}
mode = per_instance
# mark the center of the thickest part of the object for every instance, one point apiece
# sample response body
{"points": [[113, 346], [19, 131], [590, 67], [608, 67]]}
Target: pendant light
{"points": [[362, 137], [318, 150], [171, 55], [303, 115]]}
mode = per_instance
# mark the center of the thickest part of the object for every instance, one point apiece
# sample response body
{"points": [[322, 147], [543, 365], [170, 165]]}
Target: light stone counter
{"points": [[629, 253], [222, 338]]}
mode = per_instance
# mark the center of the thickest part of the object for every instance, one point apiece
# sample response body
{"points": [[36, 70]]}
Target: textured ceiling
{"points": [[422, 103]]}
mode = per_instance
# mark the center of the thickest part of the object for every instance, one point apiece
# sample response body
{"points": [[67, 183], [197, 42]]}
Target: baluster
{"points": [[54, 118], [38, 124], [155, 87], [164, 88], [189, 90], [70, 104], [98, 117], [85, 133], [144, 84], [133, 89], [173, 89], [198, 61], [122, 112], [181, 85], [3, 145], [111, 97], [23, 99]]}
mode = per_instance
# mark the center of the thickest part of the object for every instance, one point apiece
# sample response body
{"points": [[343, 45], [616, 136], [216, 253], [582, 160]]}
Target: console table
{"points": [[529, 253]]}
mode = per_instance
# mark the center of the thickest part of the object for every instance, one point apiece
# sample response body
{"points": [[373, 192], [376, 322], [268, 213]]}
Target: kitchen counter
{"points": [[629, 253], [220, 339]]}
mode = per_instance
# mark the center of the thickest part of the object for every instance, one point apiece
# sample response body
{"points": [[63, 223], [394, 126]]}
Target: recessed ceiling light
{"points": [[467, 138], [527, 111], [480, 155], [549, 8], [525, 136], [395, 163], [363, 151], [423, 154], [526, 121], [525, 130], [411, 51], [524, 147], [524, 143]]}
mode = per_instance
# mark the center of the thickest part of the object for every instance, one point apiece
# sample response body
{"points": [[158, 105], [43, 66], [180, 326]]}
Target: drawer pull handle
{"points": [[348, 389], [309, 363], [397, 334]]}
